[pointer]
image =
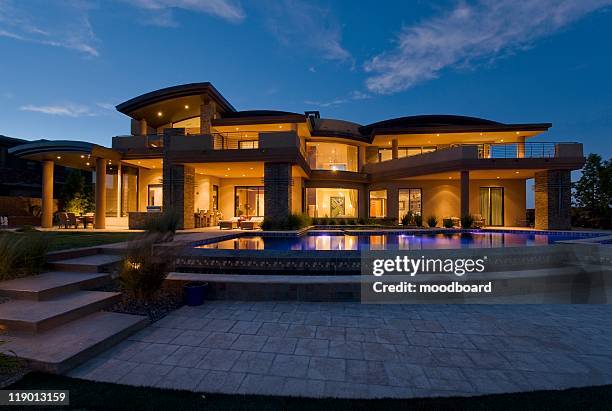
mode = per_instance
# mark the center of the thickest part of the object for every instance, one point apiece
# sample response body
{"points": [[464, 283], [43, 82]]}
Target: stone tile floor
{"points": [[365, 351]]}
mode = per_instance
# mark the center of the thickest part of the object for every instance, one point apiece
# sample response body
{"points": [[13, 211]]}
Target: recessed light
{"points": [[228, 169], [517, 133], [237, 128], [59, 157], [251, 168], [516, 172], [438, 134], [498, 177], [244, 175], [502, 140], [450, 178], [139, 162], [280, 126], [87, 163], [481, 134], [82, 156], [226, 175], [186, 107], [159, 114]]}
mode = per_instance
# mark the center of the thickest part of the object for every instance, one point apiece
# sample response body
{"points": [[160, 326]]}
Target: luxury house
{"points": [[190, 150]]}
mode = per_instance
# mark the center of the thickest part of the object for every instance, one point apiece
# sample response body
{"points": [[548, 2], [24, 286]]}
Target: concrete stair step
{"points": [[50, 285], [96, 263], [37, 316], [68, 345]]}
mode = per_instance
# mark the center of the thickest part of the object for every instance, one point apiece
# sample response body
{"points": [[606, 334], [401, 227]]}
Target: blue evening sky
{"points": [[65, 64]]}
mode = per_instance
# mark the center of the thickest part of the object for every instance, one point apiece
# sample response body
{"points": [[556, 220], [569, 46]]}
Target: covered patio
{"points": [[77, 155]]}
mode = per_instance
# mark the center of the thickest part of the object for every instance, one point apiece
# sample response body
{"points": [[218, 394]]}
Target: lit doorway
{"points": [[492, 205]]}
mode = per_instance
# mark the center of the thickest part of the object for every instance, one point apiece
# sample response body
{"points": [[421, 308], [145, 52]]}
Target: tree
{"points": [[76, 195], [587, 191]]}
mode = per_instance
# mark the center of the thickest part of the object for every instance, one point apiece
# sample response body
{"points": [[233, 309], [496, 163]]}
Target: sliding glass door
{"points": [[492, 205], [249, 201], [409, 200]]}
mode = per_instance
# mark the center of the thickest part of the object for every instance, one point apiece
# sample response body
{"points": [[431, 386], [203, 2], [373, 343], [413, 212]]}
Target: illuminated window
{"points": [[332, 156], [378, 204], [331, 202]]}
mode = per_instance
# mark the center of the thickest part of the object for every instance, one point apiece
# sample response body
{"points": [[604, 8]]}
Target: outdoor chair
{"points": [[229, 224], [252, 223], [72, 221], [479, 222], [63, 220]]}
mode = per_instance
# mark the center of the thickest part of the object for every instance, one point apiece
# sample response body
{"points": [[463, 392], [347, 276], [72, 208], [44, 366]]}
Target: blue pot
{"points": [[195, 293]]}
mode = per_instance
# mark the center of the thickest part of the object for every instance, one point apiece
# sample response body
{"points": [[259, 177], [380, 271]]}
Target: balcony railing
{"points": [[235, 141], [517, 150]]}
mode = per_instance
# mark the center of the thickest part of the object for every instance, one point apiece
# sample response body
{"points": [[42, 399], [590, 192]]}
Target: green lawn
{"points": [[65, 240], [87, 395]]}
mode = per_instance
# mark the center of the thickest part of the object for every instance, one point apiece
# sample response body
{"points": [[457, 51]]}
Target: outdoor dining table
{"points": [[86, 219]]}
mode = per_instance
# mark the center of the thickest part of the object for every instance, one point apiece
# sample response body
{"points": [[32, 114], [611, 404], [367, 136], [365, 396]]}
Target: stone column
{"points": [[277, 190], [47, 194], [363, 203], [553, 200], [100, 219], [465, 193], [208, 108], [394, 149], [178, 192], [144, 129]]}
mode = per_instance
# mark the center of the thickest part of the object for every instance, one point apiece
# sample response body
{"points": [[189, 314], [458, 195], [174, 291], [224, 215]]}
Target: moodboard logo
{"points": [[413, 266]]}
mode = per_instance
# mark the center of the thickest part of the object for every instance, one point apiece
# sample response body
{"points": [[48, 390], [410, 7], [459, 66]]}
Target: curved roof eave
{"points": [[43, 147], [183, 90]]}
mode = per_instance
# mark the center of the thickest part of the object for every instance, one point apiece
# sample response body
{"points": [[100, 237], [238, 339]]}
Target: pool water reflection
{"points": [[418, 241]]}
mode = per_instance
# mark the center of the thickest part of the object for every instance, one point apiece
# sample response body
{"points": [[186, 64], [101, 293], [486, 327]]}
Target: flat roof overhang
{"points": [[462, 129], [74, 154], [176, 103]]}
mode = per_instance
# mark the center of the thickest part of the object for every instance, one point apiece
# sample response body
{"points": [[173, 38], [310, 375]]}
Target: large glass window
{"points": [[410, 199], [378, 203], [331, 202], [215, 197], [332, 156], [386, 154], [155, 197], [129, 190], [112, 192], [249, 201], [492, 205]]}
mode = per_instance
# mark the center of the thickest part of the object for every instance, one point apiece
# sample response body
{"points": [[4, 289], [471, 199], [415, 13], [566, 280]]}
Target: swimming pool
{"points": [[334, 241]]}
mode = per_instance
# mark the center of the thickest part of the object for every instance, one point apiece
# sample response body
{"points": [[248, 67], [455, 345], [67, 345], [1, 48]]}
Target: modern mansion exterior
{"points": [[190, 150]]}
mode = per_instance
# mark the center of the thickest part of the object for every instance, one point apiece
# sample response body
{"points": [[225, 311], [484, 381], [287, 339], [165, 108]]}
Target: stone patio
{"points": [[364, 351]]}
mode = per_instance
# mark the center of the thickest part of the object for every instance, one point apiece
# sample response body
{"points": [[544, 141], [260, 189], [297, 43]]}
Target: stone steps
{"points": [[68, 345], [52, 284], [96, 263], [35, 316]]}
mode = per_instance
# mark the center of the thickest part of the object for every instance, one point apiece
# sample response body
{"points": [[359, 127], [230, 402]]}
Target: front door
{"points": [[492, 205]]}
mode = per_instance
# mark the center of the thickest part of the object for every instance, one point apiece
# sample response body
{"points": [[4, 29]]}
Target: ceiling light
{"points": [[228, 169], [159, 114], [498, 177], [226, 175], [139, 162], [438, 134], [516, 172], [237, 128], [517, 133], [450, 178], [87, 163], [82, 156], [280, 126], [244, 175], [502, 140], [481, 134], [186, 107], [59, 157], [251, 168]]}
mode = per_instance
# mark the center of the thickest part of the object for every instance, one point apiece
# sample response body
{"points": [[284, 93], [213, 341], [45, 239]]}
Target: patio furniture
{"points": [[63, 220], [479, 222], [86, 219], [456, 222], [229, 224], [252, 223], [72, 221]]}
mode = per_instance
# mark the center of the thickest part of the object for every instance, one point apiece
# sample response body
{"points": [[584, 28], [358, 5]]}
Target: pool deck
{"points": [[364, 351]]}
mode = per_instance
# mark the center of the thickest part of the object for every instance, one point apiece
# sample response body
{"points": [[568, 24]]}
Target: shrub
{"points": [[408, 218], [432, 221], [291, 222], [352, 221], [165, 224], [144, 271], [467, 221], [418, 220], [315, 221], [21, 255], [447, 223], [362, 221], [78, 204], [341, 221]]}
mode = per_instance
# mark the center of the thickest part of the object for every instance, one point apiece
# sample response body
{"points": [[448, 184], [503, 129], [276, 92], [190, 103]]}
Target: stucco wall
{"points": [[146, 177], [296, 195]]}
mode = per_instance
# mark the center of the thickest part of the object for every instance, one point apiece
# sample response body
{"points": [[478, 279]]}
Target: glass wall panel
{"points": [[129, 190], [409, 200], [378, 204], [155, 195], [385, 154], [112, 192], [332, 202], [492, 205], [248, 201], [332, 156]]}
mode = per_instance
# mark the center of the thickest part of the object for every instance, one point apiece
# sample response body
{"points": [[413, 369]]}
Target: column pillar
{"points": [[465, 192], [100, 219], [144, 129], [361, 157], [47, 194], [520, 148], [553, 200], [394, 149], [393, 203], [208, 109], [277, 190], [178, 193]]}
